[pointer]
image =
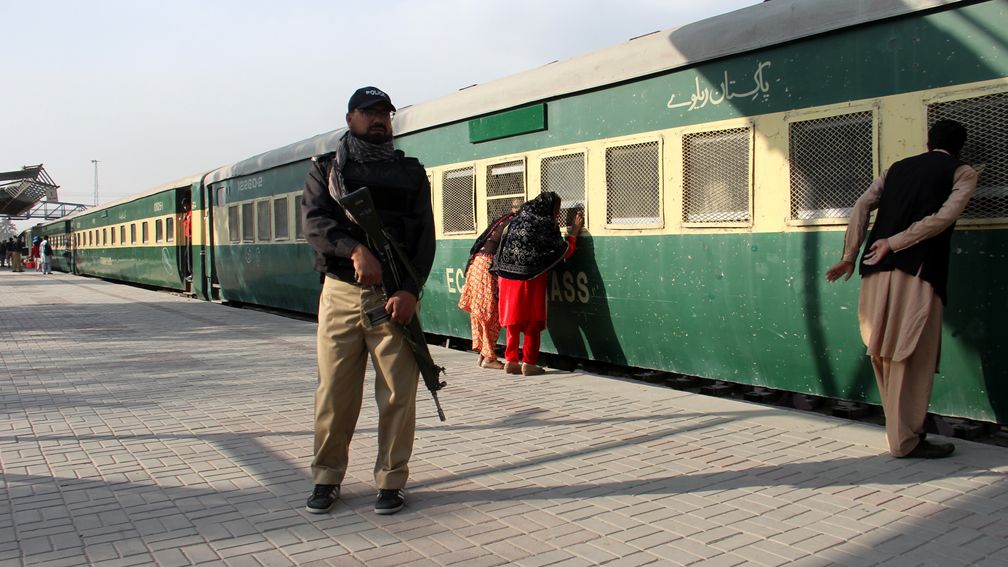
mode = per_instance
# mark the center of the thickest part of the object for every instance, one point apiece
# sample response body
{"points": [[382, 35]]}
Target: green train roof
{"points": [[184, 182], [748, 29]]}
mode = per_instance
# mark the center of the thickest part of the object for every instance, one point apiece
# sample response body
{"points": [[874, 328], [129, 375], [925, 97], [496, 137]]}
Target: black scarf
{"points": [[354, 148], [532, 243]]}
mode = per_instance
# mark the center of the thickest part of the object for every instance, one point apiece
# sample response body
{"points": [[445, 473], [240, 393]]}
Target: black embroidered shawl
{"points": [[532, 243]]}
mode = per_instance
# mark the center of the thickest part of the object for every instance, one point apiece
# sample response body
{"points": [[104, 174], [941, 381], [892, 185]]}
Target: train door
{"points": [[199, 243], [205, 284], [217, 199]]}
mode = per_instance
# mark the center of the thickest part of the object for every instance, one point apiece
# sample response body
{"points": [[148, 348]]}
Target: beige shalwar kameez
{"points": [[900, 314]]}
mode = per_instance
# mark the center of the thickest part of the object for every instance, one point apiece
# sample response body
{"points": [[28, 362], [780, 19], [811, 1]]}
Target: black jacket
{"points": [[402, 198]]}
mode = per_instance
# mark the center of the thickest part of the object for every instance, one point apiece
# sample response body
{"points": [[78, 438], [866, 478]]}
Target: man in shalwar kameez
{"points": [[904, 273]]}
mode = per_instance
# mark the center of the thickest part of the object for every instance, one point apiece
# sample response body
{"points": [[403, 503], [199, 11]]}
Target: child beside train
{"points": [[479, 293]]}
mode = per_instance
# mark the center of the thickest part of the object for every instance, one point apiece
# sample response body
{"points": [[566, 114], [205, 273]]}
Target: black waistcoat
{"points": [[915, 188], [394, 189]]}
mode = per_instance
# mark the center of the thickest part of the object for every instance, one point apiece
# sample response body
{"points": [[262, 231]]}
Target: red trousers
{"points": [[530, 348]]}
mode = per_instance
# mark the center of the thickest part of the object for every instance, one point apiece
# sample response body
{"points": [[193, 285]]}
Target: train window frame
{"points": [[104, 236], [498, 168], [964, 94], [264, 220], [455, 172], [112, 235], [298, 224], [144, 233], [122, 235], [713, 128], [610, 144], [280, 215], [248, 219], [430, 187], [805, 115], [169, 229], [133, 233], [158, 230], [233, 223], [567, 212]]}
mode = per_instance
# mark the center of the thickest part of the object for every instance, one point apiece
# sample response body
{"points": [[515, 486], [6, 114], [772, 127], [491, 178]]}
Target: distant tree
{"points": [[7, 228]]}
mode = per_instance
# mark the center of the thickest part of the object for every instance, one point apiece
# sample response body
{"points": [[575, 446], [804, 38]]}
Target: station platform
{"points": [[146, 428]]}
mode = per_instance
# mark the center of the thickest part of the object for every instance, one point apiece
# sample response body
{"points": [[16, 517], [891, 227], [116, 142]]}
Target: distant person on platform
{"points": [[529, 248], [15, 252], [5, 252], [36, 261], [904, 272], [352, 278], [45, 256]]}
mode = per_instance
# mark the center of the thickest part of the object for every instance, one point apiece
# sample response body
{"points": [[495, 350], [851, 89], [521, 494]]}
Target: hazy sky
{"points": [[158, 91]]}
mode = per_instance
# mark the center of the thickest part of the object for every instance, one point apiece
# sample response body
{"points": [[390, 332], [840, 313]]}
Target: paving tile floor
{"points": [[146, 428]]}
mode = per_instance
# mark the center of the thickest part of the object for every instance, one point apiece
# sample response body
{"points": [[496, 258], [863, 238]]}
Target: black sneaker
{"points": [[322, 498], [390, 501]]}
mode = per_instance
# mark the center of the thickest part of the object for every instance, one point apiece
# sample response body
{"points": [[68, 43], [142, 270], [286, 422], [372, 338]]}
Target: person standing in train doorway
{"points": [[353, 310], [904, 272]]}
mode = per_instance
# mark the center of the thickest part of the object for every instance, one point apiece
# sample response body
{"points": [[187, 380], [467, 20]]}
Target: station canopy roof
{"points": [[20, 190]]}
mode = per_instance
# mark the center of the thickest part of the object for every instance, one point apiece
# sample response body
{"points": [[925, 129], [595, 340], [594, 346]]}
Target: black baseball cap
{"points": [[366, 97]]}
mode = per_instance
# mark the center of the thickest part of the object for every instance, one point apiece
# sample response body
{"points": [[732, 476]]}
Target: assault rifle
{"points": [[361, 209]]}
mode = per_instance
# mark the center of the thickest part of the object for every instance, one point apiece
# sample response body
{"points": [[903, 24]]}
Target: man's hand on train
{"points": [[367, 268], [401, 306]]}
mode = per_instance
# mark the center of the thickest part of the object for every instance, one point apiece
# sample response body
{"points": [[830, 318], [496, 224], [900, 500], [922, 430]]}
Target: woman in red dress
{"points": [[530, 247]]}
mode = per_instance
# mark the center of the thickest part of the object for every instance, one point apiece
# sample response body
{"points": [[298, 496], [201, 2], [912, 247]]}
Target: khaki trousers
{"points": [[901, 320], [344, 342]]}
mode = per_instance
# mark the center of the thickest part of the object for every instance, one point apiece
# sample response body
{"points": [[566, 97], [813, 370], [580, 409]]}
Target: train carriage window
{"points": [[248, 222], [132, 233], [633, 185], [458, 206], [234, 224], [717, 176], [112, 238], [144, 233], [298, 228], [505, 186], [158, 231], [104, 237], [263, 221], [565, 176], [90, 238], [986, 144], [831, 164], [280, 218], [169, 229], [221, 196], [122, 234]]}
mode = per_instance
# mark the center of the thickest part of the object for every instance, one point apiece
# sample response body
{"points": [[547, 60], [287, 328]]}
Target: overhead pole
{"points": [[95, 162]]}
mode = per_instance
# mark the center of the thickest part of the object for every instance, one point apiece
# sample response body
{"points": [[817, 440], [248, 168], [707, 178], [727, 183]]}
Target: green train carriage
{"points": [[138, 239], [717, 181]]}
